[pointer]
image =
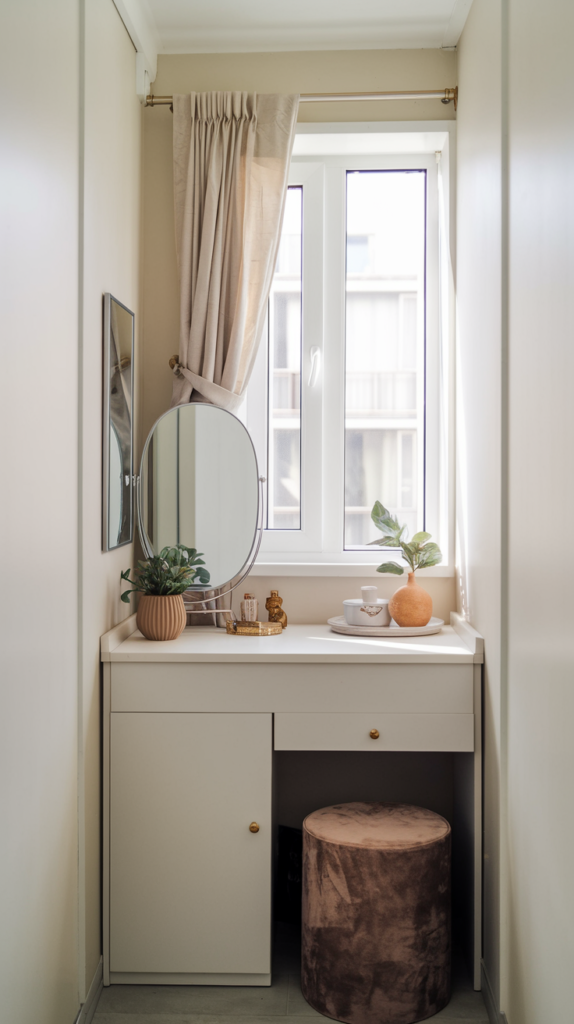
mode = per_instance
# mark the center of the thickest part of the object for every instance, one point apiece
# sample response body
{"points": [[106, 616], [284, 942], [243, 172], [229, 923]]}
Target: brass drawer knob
{"points": [[254, 827], [374, 734]]}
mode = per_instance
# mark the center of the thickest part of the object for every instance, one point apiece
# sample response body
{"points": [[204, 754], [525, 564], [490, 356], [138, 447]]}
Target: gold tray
{"points": [[253, 628]]}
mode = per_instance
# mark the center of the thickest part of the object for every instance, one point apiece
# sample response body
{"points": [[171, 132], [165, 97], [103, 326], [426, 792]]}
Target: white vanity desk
{"points": [[190, 727]]}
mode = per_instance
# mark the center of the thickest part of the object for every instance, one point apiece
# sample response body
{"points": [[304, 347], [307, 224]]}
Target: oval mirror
{"points": [[199, 486]]}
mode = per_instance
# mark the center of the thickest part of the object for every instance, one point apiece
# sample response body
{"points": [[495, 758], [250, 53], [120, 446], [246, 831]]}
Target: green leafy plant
{"points": [[171, 572], [419, 553]]}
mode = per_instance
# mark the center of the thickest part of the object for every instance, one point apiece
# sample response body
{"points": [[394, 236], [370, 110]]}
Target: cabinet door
{"points": [[190, 884]]}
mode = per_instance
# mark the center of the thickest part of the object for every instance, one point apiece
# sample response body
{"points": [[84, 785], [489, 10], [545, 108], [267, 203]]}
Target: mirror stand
{"points": [[190, 606]]}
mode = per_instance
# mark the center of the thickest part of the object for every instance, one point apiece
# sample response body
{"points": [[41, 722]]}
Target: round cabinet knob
{"points": [[254, 827], [374, 734]]}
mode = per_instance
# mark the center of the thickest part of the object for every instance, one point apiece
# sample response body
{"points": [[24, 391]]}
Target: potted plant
{"points": [[410, 605], [161, 580]]}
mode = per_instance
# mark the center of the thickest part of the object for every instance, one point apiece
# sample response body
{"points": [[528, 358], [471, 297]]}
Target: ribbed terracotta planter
{"points": [[161, 617], [411, 605]]}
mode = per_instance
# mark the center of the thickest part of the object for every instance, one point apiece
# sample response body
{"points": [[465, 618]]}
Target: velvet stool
{"points": [[376, 913]]}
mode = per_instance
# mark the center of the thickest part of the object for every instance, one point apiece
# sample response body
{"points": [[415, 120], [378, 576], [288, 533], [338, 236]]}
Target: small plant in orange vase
{"points": [[410, 605]]}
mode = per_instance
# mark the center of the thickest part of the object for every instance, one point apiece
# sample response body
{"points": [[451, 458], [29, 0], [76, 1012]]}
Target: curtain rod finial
{"points": [[451, 94]]}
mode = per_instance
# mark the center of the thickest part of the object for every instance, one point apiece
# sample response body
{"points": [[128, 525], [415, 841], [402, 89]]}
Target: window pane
{"points": [[284, 413], [384, 363]]}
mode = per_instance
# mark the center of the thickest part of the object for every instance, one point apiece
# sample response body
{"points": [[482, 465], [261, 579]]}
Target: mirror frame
{"points": [[106, 426], [222, 589]]}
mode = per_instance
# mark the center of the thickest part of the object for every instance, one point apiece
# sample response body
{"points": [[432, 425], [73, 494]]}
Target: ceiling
{"points": [[230, 26]]}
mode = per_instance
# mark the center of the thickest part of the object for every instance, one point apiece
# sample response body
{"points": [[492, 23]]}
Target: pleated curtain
{"points": [[231, 161]]}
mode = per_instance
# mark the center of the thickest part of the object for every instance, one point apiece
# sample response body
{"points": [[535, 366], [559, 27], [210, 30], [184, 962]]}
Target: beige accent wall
{"points": [[310, 599], [321, 71], [111, 263], [324, 71], [479, 348], [38, 512]]}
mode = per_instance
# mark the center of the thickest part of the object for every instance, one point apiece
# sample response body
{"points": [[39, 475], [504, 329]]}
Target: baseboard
{"points": [[495, 1015], [89, 1007], [135, 978]]}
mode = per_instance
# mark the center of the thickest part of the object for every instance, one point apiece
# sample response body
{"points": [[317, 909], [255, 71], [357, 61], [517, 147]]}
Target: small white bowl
{"points": [[368, 610]]}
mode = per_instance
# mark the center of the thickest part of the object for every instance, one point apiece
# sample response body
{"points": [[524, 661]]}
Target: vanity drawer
{"points": [[454, 732]]}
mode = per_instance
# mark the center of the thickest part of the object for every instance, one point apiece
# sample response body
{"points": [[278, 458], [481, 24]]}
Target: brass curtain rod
{"points": [[444, 95]]}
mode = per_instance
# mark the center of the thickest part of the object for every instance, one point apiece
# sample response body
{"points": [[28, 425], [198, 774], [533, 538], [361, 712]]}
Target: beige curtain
{"points": [[231, 160]]}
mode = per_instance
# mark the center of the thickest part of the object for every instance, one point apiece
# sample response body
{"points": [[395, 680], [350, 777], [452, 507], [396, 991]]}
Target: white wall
{"points": [[516, 252], [38, 511], [540, 888], [70, 231], [111, 256], [478, 432]]}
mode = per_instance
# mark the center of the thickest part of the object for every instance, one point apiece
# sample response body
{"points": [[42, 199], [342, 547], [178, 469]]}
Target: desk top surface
{"points": [[303, 644]]}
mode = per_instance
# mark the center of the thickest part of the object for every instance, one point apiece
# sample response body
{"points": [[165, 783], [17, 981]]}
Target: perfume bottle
{"points": [[249, 608]]}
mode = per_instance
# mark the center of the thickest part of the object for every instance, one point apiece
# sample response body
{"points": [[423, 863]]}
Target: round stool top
{"points": [[377, 826]]}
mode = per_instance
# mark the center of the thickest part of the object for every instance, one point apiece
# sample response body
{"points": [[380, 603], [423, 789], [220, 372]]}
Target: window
{"points": [[384, 349], [345, 402]]}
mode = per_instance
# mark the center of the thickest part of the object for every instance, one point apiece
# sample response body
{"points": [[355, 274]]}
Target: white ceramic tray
{"points": [[338, 625]]}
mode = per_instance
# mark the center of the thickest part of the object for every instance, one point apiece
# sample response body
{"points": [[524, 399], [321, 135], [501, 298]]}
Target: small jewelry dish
{"points": [[338, 625], [369, 610]]}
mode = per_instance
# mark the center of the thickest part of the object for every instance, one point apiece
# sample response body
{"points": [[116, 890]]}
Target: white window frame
{"points": [[317, 549]]}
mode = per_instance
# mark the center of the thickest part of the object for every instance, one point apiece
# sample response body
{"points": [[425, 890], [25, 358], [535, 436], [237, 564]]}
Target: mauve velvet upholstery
{"points": [[376, 913]]}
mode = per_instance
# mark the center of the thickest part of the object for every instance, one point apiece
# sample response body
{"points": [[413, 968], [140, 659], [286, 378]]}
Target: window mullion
{"points": [[334, 373], [432, 454], [313, 336]]}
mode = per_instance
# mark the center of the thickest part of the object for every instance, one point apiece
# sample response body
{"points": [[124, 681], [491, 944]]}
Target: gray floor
{"points": [[282, 1003]]}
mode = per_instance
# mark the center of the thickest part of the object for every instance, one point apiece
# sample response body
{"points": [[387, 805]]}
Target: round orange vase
{"points": [[161, 617], [411, 605]]}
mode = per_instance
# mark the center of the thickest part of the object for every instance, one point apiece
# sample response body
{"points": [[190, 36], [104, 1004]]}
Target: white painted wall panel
{"points": [[39, 121], [540, 892], [529, 704], [111, 263], [479, 225], [49, 728]]}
